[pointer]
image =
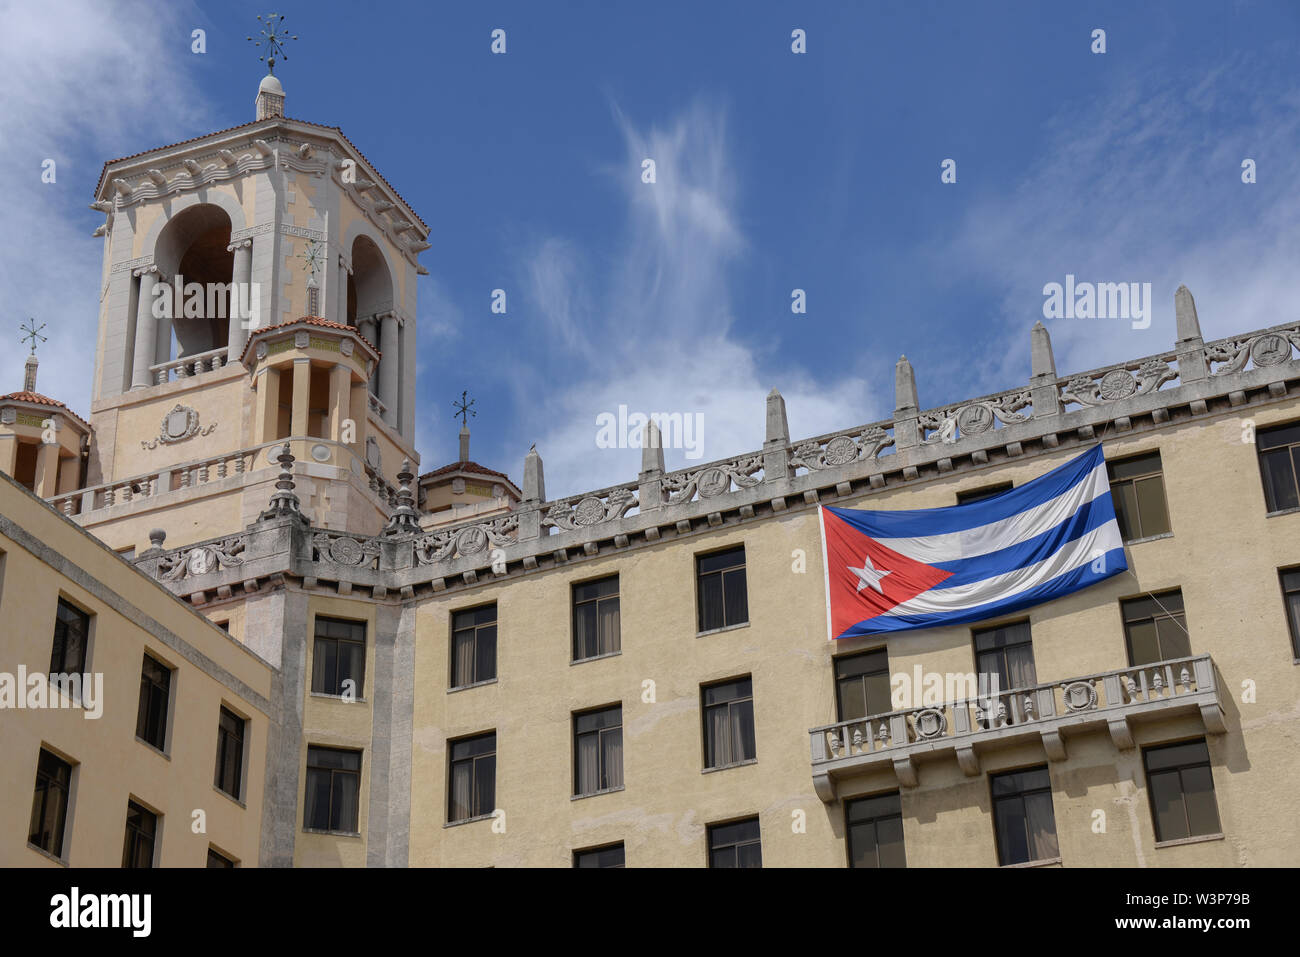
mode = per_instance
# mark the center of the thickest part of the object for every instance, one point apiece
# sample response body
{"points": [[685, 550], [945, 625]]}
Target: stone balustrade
{"points": [[1049, 413], [187, 366], [1112, 701]]}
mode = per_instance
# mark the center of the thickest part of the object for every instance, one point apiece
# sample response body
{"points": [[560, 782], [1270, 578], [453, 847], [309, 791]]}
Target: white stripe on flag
{"points": [[1072, 555], [983, 539]]}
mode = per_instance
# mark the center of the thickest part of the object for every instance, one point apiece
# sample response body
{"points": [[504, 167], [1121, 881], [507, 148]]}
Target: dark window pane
{"points": [[711, 610], [1167, 806], [717, 561], [1133, 467], [218, 860], [151, 717], [1279, 436], [485, 653], [1181, 789], [1198, 792], [585, 636], [1152, 510], [71, 626], [600, 857], [852, 698], [1279, 470], [50, 803], [141, 827], [736, 600], [749, 855]]}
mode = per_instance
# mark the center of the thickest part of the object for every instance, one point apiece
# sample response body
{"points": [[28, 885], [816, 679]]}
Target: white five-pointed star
{"points": [[868, 575]]}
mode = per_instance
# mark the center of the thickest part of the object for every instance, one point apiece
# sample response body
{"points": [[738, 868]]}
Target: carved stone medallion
{"points": [[974, 419], [373, 458], [714, 482], [346, 551], [1080, 696], [840, 450], [471, 541], [1270, 350], [1117, 384], [589, 511], [200, 561], [930, 723]]}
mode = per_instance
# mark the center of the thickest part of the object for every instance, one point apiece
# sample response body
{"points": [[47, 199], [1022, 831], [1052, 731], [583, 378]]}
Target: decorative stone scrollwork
{"points": [[930, 723], [1118, 384], [179, 424], [590, 510], [467, 541], [841, 450], [343, 550], [1268, 349], [201, 559], [975, 418], [711, 481], [1079, 696]]}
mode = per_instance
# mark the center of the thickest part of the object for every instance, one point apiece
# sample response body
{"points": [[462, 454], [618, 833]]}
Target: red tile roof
{"points": [[312, 321], [473, 467], [35, 398], [99, 187]]}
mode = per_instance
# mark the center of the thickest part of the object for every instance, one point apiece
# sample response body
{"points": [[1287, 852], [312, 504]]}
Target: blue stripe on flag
{"points": [[922, 522], [1063, 584], [1091, 515]]}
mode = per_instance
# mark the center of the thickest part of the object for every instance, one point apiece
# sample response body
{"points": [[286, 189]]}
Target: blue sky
{"points": [[775, 171]]}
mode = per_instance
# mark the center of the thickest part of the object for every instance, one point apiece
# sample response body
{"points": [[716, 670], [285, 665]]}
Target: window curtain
{"points": [[609, 627], [1040, 825], [720, 736], [588, 764], [461, 776], [463, 659], [612, 742]]}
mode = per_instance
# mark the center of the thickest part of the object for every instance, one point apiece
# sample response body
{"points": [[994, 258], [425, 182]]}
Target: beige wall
{"points": [[1224, 555], [132, 614]]}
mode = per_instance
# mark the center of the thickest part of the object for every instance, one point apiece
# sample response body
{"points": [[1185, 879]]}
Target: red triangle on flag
{"points": [[866, 579]]}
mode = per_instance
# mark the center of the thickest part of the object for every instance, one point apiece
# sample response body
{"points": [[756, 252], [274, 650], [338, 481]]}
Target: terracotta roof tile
{"points": [[35, 398], [313, 321], [473, 467], [230, 129]]}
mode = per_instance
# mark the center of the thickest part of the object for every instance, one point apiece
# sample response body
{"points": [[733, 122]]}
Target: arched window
{"points": [[193, 247]]}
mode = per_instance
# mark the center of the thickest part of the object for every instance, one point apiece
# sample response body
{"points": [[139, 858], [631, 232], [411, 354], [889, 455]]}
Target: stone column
{"points": [[301, 396], [146, 330], [360, 406], [8, 453], [340, 400], [240, 318], [267, 414], [1042, 382], [342, 316], [390, 365], [47, 469]]}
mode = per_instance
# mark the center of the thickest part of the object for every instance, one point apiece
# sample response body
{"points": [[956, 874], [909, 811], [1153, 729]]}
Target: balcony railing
{"points": [[189, 366], [1113, 701]]}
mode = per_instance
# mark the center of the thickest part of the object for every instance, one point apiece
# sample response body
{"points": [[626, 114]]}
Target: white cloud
{"points": [[1142, 184], [658, 334], [84, 82]]}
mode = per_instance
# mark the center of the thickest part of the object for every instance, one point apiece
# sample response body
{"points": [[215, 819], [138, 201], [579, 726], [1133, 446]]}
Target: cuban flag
{"points": [[925, 568]]}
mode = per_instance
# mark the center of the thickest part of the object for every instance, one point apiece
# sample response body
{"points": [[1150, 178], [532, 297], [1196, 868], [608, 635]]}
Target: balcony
{"points": [[1113, 701]]}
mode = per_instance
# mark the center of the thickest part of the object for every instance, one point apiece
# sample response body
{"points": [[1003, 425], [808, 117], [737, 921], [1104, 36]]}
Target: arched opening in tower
{"points": [[193, 248]]}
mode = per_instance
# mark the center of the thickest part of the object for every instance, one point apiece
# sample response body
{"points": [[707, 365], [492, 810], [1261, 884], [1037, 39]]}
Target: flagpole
{"points": [[826, 570]]}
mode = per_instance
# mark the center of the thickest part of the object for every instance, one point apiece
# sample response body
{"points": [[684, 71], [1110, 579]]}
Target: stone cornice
{"points": [[848, 465]]}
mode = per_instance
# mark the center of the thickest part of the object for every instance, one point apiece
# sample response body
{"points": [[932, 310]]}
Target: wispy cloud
{"points": [[84, 82], [1142, 184], [651, 326]]}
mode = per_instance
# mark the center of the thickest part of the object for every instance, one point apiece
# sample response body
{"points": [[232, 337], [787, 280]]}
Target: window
{"points": [[728, 723], [1279, 465], [71, 633], [155, 692], [223, 625], [736, 844], [1137, 486], [610, 856], [980, 494], [1006, 655], [141, 833], [333, 787], [230, 753], [472, 778], [339, 656], [217, 859], [1291, 598], [862, 685], [1182, 790], [598, 750], [595, 618], [50, 803], [1156, 628], [473, 646], [1022, 816], [875, 829], [722, 596]]}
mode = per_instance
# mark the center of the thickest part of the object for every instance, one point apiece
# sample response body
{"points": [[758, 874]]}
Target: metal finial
{"points": [[463, 408], [271, 39], [312, 257], [33, 332]]}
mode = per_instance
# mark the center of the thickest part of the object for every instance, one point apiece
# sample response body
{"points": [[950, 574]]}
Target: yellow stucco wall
{"points": [[1224, 555], [130, 612]]}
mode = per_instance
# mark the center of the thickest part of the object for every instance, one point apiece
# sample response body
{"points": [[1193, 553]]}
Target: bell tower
{"points": [[259, 286]]}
